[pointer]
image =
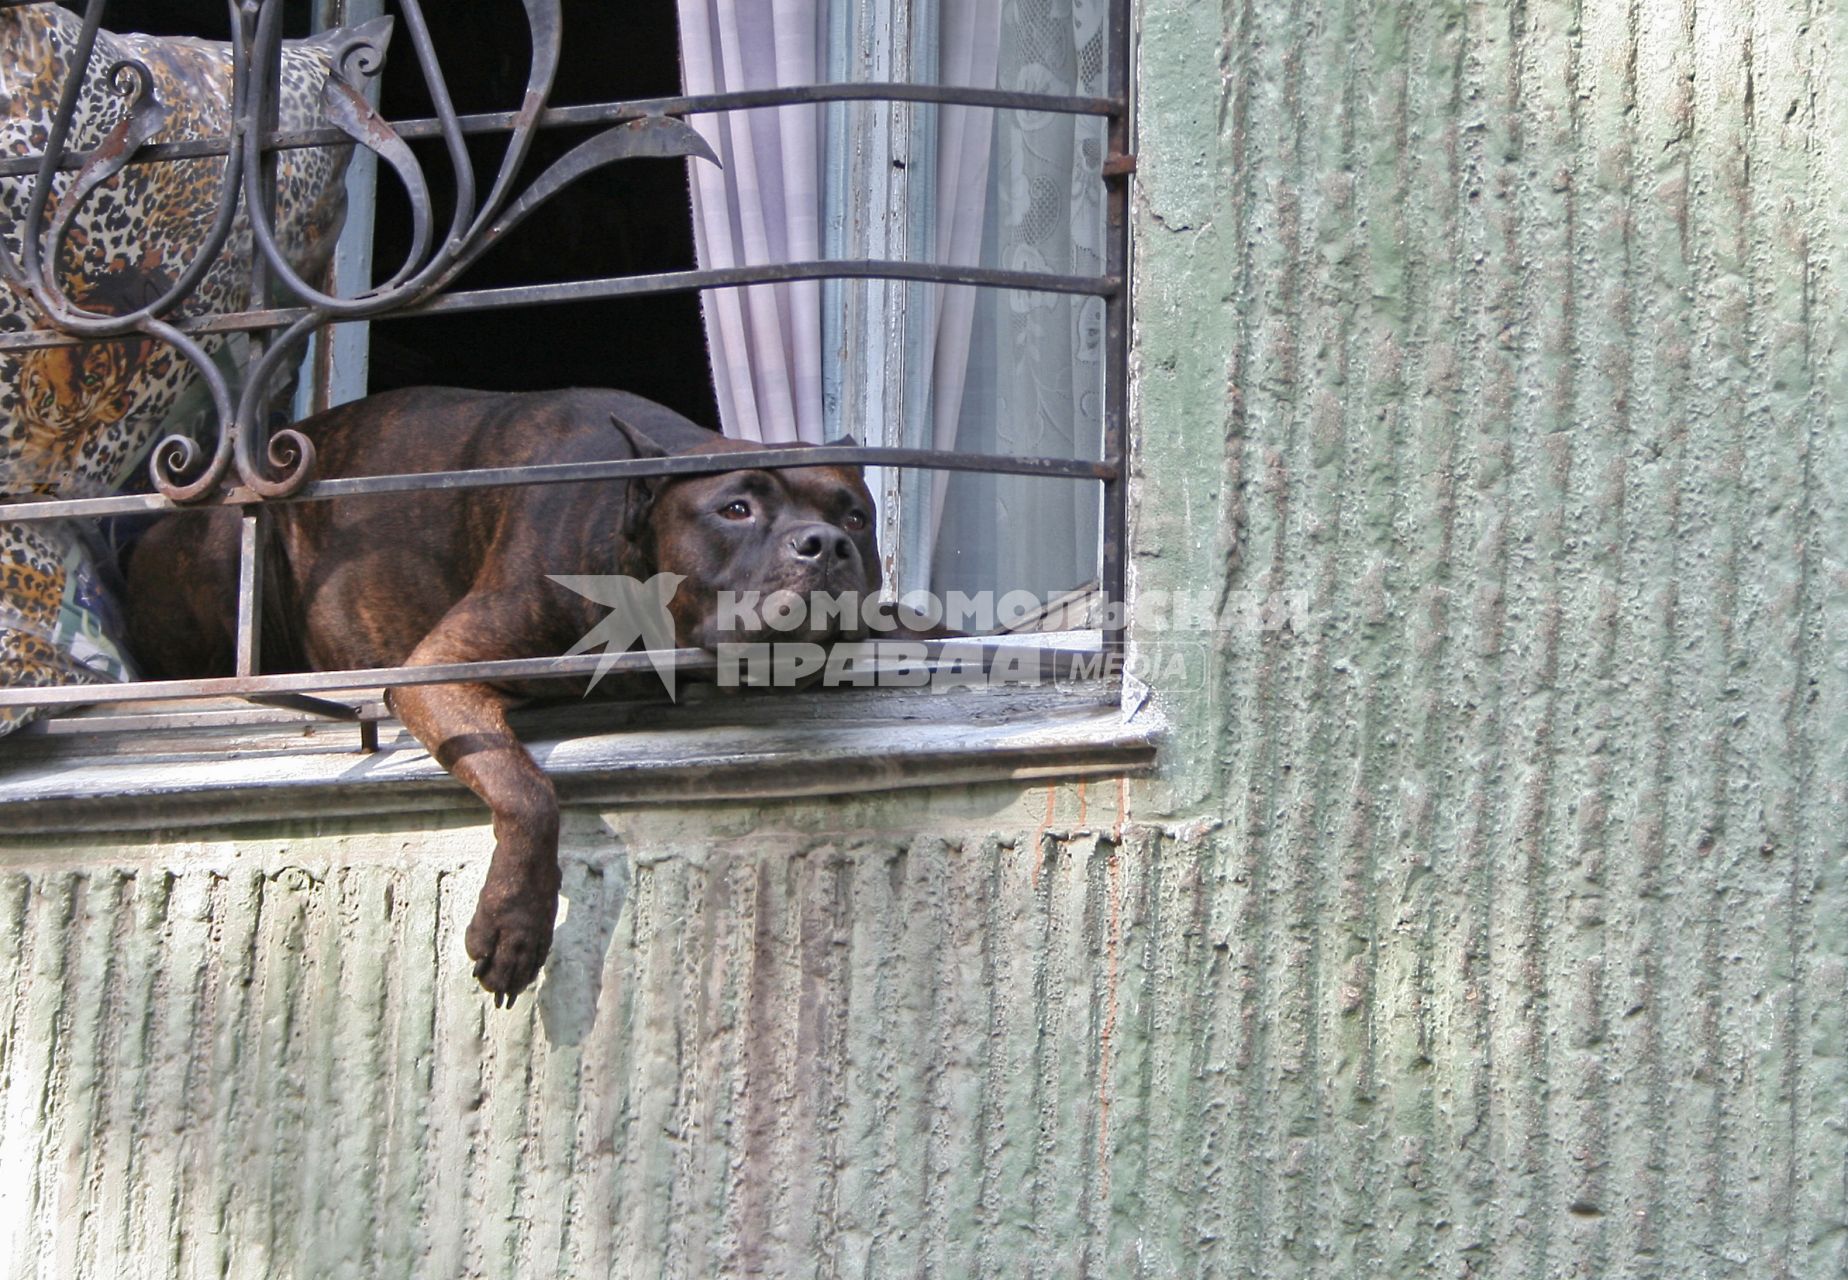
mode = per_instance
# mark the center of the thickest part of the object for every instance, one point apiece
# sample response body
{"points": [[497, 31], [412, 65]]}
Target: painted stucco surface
{"points": [[1530, 368], [1489, 920]]}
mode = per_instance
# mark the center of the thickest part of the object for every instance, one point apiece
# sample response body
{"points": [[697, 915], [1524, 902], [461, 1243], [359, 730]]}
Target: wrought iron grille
{"points": [[251, 468]]}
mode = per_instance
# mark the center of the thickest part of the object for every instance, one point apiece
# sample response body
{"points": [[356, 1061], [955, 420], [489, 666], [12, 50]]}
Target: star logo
{"points": [[638, 611]]}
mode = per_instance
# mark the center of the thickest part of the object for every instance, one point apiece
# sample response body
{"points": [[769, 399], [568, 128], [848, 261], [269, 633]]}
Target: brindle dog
{"points": [[462, 575]]}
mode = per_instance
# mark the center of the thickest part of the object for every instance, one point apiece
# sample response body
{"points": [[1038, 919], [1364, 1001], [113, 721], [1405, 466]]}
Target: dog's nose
{"points": [[819, 542]]}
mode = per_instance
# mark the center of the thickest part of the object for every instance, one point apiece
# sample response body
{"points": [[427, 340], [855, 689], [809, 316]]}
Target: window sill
{"points": [[228, 761]]}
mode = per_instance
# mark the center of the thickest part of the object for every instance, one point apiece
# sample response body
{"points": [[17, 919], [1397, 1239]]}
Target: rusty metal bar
{"points": [[604, 288], [312, 706], [262, 40], [251, 529], [336, 681], [600, 113], [579, 472], [1053, 661]]}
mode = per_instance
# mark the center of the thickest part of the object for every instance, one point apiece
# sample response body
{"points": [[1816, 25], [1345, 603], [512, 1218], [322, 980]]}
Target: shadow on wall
{"points": [[594, 892]]}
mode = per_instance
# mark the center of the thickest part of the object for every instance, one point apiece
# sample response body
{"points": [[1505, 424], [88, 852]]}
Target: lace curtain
{"points": [[1034, 382], [986, 371]]}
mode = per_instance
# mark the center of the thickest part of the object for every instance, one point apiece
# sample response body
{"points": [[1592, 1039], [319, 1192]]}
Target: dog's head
{"points": [[768, 554]]}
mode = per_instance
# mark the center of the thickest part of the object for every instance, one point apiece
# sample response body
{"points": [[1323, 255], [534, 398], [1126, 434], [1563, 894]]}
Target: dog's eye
{"points": [[854, 521], [736, 509]]}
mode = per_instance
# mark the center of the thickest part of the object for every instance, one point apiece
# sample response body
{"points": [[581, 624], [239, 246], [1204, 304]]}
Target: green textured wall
{"points": [[1492, 923]]}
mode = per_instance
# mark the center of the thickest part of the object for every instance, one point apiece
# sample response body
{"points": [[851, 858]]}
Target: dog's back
{"points": [[358, 581]]}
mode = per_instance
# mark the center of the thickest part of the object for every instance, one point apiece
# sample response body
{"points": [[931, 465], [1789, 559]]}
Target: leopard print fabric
{"points": [[74, 422], [77, 421], [58, 617]]}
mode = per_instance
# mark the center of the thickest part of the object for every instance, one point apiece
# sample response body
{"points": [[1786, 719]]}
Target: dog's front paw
{"points": [[508, 940]]}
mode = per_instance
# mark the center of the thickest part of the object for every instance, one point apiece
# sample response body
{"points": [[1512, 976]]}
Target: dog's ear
{"points": [[638, 504], [847, 440], [639, 440]]}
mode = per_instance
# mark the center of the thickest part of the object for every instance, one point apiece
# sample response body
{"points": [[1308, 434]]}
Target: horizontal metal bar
{"points": [[124, 504], [608, 287], [770, 273], [333, 681], [706, 464], [1053, 661], [311, 706], [1104, 470], [597, 113], [211, 713]]}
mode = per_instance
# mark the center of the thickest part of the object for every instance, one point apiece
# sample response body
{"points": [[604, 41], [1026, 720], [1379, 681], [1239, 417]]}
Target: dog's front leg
{"points": [[465, 728]]}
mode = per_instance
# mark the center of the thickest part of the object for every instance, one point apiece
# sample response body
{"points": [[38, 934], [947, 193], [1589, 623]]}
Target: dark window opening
{"points": [[627, 219]]}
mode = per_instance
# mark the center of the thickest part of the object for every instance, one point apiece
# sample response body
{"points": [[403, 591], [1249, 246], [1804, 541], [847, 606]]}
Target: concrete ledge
{"points": [[227, 763]]}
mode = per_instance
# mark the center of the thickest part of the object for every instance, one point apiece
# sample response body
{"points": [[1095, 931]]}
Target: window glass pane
{"points": [[963, 368]]}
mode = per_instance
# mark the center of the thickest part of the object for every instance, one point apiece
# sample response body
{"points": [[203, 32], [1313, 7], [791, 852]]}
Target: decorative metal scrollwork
{"points": [[278, 465]]}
